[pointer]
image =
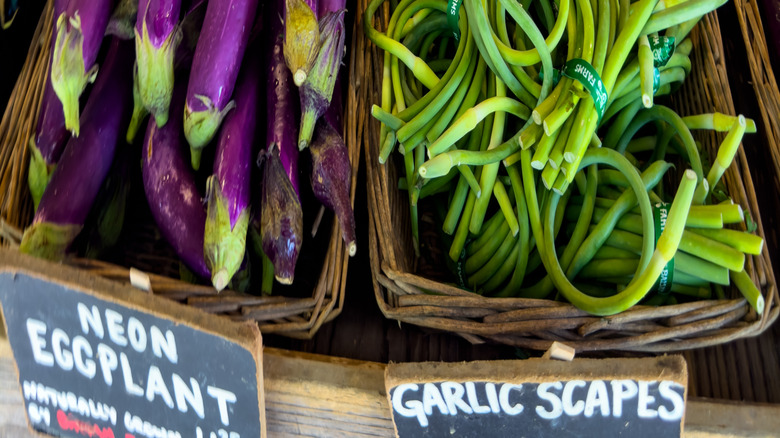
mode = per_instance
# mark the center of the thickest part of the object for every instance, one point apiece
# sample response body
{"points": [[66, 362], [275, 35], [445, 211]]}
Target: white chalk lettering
{"points": [[164, 344], [622, 390], [115, 330], [137, 334], [492, 396], [645, 400], [156, 386], [38, 414], [570, 407], [223, 397], [35, 330], [138, 426], [544, 393], [81, 348], [108, 362], [432, 397], [64, 358], [598, 396], [667, 390], [131, 387], [134, 334], [411, 408], [453, 395], [90, 320], [471, 393], [188, 395], [503, 399]]}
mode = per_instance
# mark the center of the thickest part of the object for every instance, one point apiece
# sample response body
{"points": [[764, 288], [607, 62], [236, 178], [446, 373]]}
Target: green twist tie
{"points": [[581, 71], [662, 48], [664, 283], [453, 10]]}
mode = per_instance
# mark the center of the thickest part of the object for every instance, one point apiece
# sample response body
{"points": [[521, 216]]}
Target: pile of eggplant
{"points": [[257, 82]]}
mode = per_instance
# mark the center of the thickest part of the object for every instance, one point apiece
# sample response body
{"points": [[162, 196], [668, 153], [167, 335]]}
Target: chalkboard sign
{"points": [[96, 364], [539, 398]]}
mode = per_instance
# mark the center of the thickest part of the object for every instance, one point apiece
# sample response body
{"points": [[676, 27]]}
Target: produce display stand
{"points": [[733, 387]]}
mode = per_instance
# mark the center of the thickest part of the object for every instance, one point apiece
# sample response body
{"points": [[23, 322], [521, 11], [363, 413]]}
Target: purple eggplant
{"points": [[215, 67], [281, 218], [331, 178], [111, 203], [317, 91], [301, 37], [190, 31], [169, 183], [281, 215], [157, 35], [282, 110], [50, 136], [47, 144], [80, 29], [85, 162], [325, 6], [122, 21], [228, 189]]}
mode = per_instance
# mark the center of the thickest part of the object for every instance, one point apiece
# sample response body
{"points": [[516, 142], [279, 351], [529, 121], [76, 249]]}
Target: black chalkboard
{"points": [[575, 408], [94, 367]]}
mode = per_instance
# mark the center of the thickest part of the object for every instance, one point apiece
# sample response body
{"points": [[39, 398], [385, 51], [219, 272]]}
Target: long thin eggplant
{"points": [[317, 91], [301, 37], [169, 184], [157, 35], [80, 29], [50, 137], [281, 214], [85, 162], [215, 67], [47, 144], [281, 218], [228, 189], [331, 178]]}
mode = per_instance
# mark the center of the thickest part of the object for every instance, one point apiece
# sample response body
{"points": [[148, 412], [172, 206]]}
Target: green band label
{"points": [[580, 70], [556, 76], [664, 284], [453, 10], [656, 80], [662, 48]]}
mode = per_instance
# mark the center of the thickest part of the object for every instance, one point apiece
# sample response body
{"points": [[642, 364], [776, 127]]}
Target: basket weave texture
{"points": [[413, 290], [764, 82], [317, 299]]}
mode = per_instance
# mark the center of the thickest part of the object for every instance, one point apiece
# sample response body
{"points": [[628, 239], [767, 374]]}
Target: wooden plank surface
{"points": [[323, 396]]}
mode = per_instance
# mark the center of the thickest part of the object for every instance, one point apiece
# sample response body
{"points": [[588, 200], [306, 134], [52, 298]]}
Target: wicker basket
{"points": [[412, 291], [297, 311]]}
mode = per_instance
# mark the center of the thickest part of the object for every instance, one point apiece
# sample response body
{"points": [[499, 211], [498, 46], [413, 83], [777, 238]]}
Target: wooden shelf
{"points": [[315, 395]]}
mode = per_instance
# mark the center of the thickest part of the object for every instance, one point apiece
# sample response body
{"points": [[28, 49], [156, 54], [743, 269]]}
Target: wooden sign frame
{"points": [[125, 331]]}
